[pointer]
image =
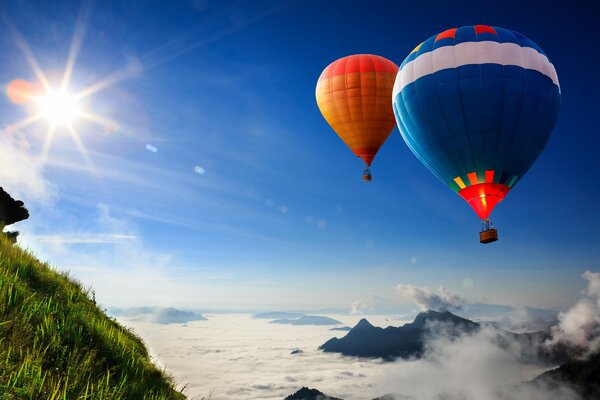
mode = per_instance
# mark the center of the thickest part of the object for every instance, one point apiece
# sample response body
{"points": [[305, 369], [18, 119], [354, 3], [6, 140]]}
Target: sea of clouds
{"points": [[234, 356]]}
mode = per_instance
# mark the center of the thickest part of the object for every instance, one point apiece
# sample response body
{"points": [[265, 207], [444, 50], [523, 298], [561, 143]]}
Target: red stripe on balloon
{"points": [[447, 34], [359, 63], [484, 29]]}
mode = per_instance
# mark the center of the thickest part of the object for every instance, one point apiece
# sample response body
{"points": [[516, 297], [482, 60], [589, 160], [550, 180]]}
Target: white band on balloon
{"points": [[467, 53]]}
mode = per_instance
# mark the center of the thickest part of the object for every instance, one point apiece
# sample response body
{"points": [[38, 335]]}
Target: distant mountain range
{"points": [[341, 328], [521, 319], [157, 315], [406, 341], [366, 340], [296, 318], [278, 315], [307, 320]]}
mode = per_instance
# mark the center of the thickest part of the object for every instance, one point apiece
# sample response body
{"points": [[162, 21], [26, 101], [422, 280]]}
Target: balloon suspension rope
{"points": [[367, 175], [486, 225]]}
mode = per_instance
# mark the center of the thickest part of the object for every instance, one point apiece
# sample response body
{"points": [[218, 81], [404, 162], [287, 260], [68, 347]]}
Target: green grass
{"points": [[55, 343]]}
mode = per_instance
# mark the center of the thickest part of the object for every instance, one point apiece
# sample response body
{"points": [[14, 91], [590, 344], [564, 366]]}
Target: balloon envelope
{"points": [[477, 105], [354, 95]]}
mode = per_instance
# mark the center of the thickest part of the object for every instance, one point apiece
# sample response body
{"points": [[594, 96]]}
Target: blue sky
{"points": [[278, 216]]}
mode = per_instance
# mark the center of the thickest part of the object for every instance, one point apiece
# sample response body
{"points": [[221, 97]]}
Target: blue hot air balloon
{"points": [[477, 105]]}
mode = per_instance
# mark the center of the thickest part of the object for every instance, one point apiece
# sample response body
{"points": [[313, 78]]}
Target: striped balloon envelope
{"points": [[477, 105], [354, 95]]}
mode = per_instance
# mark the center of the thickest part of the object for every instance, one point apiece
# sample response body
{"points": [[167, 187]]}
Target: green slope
{"points": [[55, 343]]}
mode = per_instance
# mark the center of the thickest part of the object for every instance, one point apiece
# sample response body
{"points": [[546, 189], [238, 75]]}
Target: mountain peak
{"points": [[309, 394], [366, 340], [434, 313], [363, 323], [439, 316]]}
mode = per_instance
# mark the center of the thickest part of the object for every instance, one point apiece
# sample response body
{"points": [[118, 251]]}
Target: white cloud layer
{"points": [[471, 367], [234, 356]]}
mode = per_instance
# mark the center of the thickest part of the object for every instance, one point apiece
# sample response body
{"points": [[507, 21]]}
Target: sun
{"points": [[59, 107], [54, 104]]}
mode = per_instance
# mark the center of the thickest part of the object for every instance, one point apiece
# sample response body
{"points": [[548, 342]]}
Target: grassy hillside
{"points": [[55, 343]]}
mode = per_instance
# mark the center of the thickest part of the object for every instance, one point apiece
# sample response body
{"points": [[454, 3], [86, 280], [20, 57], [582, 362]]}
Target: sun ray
{"points": [[60, 107], [170, 51], [47, 143], [25, 122], [56, 104], [77, 139], [108, 81], [100, 120], [78, 36], [28, 54]]}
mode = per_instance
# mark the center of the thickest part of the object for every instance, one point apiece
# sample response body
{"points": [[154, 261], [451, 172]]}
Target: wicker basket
{"points": [[488, 236]]}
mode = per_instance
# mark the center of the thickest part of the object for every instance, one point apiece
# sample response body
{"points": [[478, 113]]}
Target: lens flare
{"points": [[20, 91], [151, 148]]}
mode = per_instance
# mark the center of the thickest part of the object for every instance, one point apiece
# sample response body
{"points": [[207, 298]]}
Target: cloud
{"points": [[235, 356], [157, 315], [580, 325], [472, 366], [21, 173], [84, 238], [359, 307], [108, 254], [239, 357], [526, 319], [426, 299]]}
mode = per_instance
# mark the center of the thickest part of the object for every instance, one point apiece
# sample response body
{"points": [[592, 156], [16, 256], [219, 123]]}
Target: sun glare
{"points": [[56, 106], [59, 107]]}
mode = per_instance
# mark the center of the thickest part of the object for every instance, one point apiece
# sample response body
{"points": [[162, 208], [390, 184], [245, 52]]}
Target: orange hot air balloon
{"points": [[354, 95]]}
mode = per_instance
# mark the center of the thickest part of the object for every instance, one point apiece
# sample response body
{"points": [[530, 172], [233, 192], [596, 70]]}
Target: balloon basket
{"points": [[489, 236], [366, 177]]}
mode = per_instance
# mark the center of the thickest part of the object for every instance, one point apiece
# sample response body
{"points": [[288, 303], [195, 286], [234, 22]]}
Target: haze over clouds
{"points": [[426, 299]]}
